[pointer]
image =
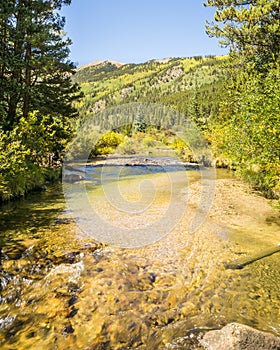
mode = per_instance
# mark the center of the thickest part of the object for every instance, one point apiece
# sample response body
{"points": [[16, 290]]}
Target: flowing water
{"points": [[60, 289]]}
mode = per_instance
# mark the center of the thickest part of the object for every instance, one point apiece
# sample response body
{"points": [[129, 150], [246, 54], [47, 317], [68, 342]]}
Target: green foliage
{"points": [[139, 124], [107, 143], [251, 28], [28, 150], [91, 143], [35, 73], [193, 86], [250, 137], [13, 166], [247, 129], [141, 143], [94, 73], [43, 135]]}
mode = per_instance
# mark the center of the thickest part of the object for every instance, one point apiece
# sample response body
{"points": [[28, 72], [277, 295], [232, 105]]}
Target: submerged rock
{"points": [[235, 336], [72, 178]]}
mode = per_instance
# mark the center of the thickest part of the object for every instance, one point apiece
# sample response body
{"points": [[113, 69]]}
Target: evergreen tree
{"points": [[249, 27], [35, 73], [139, 124]]}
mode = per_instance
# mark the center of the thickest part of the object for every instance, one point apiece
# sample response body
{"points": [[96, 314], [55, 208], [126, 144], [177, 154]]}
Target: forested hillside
{"points": [[193, 86]]}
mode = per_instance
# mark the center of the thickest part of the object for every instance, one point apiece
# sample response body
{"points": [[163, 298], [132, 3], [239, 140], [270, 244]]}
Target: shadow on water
{"points": [[39, 207], [25, 219]]}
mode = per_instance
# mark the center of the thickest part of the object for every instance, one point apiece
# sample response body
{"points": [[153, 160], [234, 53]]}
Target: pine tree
{"points": [[34, 68], [250, 27]]}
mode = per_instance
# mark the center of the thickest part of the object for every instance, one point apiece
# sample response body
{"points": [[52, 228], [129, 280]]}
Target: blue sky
{"points": [[134, 31]]}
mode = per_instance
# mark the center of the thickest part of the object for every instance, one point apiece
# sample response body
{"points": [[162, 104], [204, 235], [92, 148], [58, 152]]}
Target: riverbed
{"points": [[63, 288]]}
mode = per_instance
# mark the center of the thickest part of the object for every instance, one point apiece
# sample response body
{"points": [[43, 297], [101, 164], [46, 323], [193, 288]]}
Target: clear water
{"points": [[60, 289]]}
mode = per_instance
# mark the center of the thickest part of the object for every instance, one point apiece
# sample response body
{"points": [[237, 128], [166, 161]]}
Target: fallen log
{"points": [[240, 263]]}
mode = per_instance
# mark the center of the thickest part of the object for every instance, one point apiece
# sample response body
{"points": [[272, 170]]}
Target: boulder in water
{"points": [[235, 336]]}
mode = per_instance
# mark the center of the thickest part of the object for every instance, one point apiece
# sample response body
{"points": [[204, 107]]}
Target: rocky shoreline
{"points": [[75, 173], [161, 161]]}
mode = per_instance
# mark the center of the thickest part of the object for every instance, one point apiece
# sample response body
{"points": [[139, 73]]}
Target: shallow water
{"points": [[62, 290]]}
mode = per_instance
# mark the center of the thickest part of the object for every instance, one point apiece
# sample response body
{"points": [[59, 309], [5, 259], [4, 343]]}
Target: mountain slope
{"points": [[193, 86]]}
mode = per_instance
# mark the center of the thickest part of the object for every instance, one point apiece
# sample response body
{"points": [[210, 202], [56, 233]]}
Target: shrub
{"points": [[107, 143]]}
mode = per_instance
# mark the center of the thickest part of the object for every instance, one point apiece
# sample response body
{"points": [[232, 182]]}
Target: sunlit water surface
{"points": [[60, 289]]}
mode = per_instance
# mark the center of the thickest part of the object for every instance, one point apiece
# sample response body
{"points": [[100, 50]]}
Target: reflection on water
{"points": [[61, 290]]}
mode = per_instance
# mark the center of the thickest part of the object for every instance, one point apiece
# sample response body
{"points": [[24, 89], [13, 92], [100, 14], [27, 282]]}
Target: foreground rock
{"points": [[236, 336]]}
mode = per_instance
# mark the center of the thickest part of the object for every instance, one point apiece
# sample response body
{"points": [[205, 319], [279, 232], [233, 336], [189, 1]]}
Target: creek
{"points": [[61, 289]]}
